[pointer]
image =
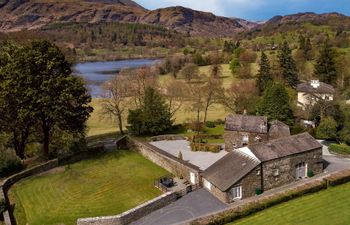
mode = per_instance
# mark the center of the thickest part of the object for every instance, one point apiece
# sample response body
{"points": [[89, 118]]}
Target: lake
{"points": [[96, 74]]}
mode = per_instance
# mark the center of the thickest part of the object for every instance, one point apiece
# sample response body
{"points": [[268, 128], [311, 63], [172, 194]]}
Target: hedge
{"points": [[200, 147], [340, 148]]}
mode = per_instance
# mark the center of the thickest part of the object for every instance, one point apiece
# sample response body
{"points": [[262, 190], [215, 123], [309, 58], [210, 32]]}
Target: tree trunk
{"points": [[46, 140], [120, 123]]}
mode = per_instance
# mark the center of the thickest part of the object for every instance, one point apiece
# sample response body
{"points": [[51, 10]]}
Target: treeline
{"points": [[99, 35]]}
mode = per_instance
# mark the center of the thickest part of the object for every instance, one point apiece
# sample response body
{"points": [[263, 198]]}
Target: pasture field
{"points": [[327, 207], [107, 185]]}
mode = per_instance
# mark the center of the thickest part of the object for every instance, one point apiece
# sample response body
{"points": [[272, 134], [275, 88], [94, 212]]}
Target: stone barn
{"points": [[253, 169]]}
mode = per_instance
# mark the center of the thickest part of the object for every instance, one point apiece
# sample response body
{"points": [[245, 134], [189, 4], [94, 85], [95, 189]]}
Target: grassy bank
{"points": [[104, 186], [323, 208]]}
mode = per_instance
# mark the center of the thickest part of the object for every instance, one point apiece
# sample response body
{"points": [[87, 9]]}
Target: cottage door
{"points": [[301, 170], [193, 178]]}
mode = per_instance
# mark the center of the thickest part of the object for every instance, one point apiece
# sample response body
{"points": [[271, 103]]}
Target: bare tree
{"points": [[212, 91], [117, 99], [175, 92], [190, 71]]}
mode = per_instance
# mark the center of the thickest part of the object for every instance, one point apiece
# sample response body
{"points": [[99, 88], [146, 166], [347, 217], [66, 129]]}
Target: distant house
{"points": [[243, 130], [253, 169], [312, 91]]}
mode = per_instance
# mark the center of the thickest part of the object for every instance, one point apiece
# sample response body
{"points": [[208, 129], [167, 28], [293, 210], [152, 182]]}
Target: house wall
{"points": [[305, 99], [165, 160], [236, 138], [249, 184], [286, 168]]}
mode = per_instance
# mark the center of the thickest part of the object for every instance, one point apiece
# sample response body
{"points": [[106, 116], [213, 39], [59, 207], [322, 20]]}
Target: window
{"points": [[245, 139], [258, 173], [236, 192], [207, 184], [276, 172], [301, 170]]}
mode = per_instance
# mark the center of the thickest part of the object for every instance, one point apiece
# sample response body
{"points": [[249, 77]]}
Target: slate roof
{"points": [[285, 146], [278, 129], [246, 123], [229, 170], [322, 89]]}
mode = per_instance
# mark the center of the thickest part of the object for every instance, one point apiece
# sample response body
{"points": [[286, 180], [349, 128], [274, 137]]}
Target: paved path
{"points": [[193, 205]]}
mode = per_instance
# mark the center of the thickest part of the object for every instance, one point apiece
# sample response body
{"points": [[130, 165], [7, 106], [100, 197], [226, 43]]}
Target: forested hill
{"points": [[34, 14]]}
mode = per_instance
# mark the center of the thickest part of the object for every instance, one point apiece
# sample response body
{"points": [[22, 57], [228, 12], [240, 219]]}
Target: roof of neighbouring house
{"points": [[285, 146], [246, 123], [278, 129], [230, 169], [323, 88]]}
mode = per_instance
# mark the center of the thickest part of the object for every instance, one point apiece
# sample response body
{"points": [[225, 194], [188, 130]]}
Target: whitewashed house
{"points": [[309, 93]]}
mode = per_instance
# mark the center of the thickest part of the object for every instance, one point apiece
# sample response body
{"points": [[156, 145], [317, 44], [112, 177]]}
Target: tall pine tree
{"points": [[275, 104], [264, 76], [325, 68], [287, 63]]}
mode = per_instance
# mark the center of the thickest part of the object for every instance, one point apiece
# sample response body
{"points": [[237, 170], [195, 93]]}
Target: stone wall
{"points": [[286, 168], [168, 138], [235, 138], [132, 214], [165, 160]]}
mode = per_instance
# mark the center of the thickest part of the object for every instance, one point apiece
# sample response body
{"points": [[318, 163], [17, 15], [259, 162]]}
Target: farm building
{"points": [[250, 170]]}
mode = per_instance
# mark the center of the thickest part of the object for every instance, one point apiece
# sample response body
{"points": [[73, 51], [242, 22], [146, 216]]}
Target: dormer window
{"points": [[315, 83], [245, 139]]}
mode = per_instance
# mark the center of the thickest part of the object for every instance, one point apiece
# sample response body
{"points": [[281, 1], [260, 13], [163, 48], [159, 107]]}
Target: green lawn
{"points": [[331, 206], [108, 185]]}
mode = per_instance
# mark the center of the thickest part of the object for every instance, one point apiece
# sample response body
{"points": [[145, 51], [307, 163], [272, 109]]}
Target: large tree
{"points": [[58, 98], [264, 76], [325, 68], [17, 116], [153, 117], [287, 64], [275, 104]]}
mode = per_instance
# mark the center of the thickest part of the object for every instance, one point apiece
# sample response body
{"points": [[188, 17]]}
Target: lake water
{"points": [[96, 74]]}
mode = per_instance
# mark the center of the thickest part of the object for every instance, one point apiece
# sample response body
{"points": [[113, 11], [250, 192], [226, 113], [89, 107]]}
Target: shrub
{"points": [[9, 163], [180, 155], [200, 147], [197, 126], [340, 148], [210, 124]]}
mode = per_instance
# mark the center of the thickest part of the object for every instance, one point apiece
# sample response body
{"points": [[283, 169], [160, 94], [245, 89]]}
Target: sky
{"points": [[255, 10]]}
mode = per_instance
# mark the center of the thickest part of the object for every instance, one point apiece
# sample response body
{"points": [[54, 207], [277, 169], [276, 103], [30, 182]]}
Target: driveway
{"points": [[193, 205]]}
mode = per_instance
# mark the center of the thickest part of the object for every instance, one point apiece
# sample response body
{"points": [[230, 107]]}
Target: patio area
{"points": [[201, 159]]}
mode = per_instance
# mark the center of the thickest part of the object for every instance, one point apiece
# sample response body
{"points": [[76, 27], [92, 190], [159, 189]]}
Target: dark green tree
{"points": [[264, 76], [275, 104], [287, 64], [308, 49], [17, 116], [302, 42], [325, 68], [153, 117], [58, 98]]}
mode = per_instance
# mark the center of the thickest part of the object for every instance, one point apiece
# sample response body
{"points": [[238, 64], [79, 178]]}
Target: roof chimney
{"points": [[315, 83]]}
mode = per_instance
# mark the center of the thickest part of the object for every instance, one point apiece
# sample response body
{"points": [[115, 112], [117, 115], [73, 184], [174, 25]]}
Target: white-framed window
{"points": [[301, 170], [245, 139], [207, 184], [236, 192]]}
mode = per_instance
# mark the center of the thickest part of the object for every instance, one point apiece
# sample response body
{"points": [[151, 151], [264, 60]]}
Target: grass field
{"points": [[329, 207], [104, 186]]}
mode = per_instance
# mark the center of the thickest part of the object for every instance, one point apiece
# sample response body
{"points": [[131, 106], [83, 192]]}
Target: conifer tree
{"points": [[325, 68], [308, 49], [275, 104], [264, 76], [287, 63]]}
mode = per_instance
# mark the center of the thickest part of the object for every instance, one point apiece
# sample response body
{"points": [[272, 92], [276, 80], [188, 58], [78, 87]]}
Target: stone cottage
{"points": [[243, 130], [250, 170], [312, 91]]}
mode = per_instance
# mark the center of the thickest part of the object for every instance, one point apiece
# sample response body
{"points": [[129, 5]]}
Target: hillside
{"points": [[34, 14], [299, 22]]}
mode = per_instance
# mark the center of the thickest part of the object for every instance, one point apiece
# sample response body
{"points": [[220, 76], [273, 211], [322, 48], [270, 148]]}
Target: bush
{"points": [[200, 147], [197, 126], [210, 124], [340, 148], [9, 163]]}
